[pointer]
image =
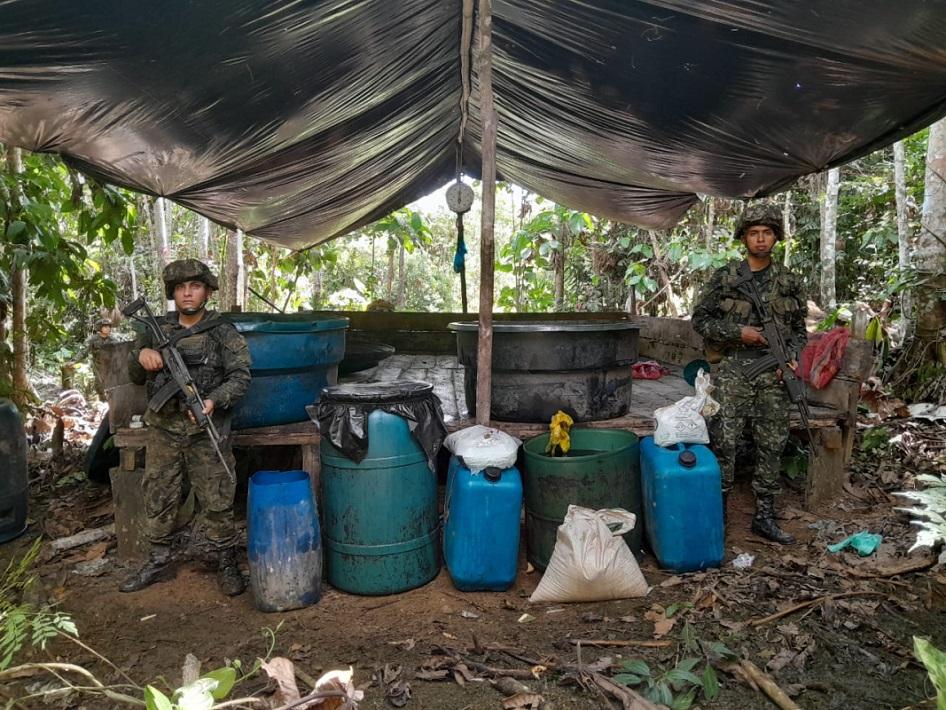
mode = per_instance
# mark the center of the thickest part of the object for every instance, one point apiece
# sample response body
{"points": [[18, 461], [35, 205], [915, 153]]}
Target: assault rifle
{"points": [[778, 352], [181, 380]]}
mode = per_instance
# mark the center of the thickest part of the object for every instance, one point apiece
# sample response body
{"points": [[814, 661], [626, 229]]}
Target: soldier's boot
{"points": [[764, 523], [148, 574], [229, 577]]}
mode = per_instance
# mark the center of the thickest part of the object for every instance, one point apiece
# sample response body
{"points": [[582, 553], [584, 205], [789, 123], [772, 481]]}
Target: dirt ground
{"points": [[843, 642]]}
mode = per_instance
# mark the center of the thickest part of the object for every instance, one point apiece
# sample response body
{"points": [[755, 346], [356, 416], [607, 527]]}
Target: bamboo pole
{"points": [[484, 356]]}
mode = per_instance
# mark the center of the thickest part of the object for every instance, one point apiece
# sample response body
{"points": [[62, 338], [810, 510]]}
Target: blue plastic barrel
{"points": [[683, 505], [283, 545], [481, 527], [13, 482], [381, 521], [294, 356]]}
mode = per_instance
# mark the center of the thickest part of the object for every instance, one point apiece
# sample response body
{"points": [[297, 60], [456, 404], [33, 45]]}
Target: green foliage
{"points": [[935, 662], [21, 623], [676, 688], [874, 439]]}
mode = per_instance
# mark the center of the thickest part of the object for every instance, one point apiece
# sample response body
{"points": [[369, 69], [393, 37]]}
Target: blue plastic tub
{"points": [[294, 357], [481, 527], [283, 543], [683, 505]]}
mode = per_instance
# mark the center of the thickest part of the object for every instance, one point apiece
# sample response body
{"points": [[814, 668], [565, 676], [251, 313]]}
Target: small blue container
{"points": [[683, 505], [284, 548], [481, 527]]}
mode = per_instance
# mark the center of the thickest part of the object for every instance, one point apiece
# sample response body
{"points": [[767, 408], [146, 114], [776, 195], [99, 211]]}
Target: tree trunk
{"points": [[401, 276], [929, 257], [558, 263], [829, 235], [317, 289], [133, 274], [235, 296], [903, 230], [662, 275], [19, 292], [161, 233], [203, 238], [710, 223], [389, 289], [787, 227]]}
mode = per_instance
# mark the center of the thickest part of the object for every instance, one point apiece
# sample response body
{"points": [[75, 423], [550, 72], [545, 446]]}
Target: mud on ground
{"points": [[844, 638]]}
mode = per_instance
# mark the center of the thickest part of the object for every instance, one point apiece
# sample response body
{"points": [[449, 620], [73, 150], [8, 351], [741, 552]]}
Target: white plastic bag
{"points": [[590, 561], [482, 446], [683, 421]]}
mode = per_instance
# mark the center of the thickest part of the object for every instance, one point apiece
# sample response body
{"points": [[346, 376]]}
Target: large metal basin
{"points": [[583, 367]]}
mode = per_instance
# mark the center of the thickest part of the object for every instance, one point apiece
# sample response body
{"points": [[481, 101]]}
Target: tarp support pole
{"points": [[484, 355]]}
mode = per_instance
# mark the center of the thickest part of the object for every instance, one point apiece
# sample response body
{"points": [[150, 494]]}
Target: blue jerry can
{"points": [[683, 505], [481, 527]]}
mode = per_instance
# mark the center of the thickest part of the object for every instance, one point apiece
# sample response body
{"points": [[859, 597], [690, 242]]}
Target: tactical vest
{"points": [[201, 349], [778, 293]]}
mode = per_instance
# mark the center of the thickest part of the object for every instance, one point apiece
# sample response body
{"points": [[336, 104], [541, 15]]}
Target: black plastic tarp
{"points": [[299, 121]]}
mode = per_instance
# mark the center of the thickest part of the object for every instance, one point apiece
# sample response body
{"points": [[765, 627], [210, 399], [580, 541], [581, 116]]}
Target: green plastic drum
{"points": [[602, 470], [381, 532]]}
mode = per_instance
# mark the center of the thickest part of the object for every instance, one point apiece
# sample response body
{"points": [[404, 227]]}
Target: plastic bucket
{"points": [[602, 470], [283, 544]]}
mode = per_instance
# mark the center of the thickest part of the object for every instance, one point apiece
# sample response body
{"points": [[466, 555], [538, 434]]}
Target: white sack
{"points": [[482, 446], [590, 562], [682, 422]]}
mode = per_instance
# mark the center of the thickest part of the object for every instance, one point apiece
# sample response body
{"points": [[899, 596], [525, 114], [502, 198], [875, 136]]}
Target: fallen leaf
{"points": [[671, 582], [523, 701], [469, 614], [590, 617], [781, 659], [450, 636], [398, 694], [529, 568], [283, 672], [432, 675], [406, 644], [662, 624], [526, 618]]}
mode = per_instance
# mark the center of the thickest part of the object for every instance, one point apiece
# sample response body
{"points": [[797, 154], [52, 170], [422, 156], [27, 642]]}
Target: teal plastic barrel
{"points": [[602, 470], [381, 530]]}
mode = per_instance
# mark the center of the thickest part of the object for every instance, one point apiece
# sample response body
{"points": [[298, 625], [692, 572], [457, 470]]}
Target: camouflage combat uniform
{"points": [[219, 362], [719, 315], [94, 346]]}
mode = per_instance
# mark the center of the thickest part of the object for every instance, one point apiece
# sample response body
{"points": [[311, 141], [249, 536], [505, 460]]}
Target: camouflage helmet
{"points": [[187, 270], [761, 213], [103, 323]]}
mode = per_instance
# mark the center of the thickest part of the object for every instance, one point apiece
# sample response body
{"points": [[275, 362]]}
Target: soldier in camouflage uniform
{"points": [[217, 358], [730, 327], [94, 346]]}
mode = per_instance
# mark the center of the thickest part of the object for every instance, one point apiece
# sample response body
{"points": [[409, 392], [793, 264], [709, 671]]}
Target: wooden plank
{"points": [[128, 503], [826, 470]]}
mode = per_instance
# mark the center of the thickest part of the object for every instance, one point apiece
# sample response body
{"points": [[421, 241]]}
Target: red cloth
{"points": [[648, 370], [821, 358]]}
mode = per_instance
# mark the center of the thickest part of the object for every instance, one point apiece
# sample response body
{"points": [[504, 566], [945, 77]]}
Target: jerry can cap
{"points": [[687, 459]]}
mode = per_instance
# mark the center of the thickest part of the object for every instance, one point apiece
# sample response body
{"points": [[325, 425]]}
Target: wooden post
{"points": [[484, 356]]}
